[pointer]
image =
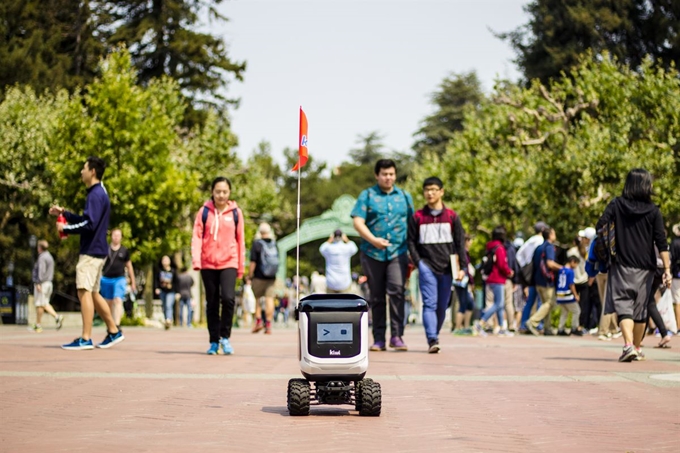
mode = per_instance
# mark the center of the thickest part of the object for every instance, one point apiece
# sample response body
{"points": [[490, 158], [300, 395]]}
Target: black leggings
{"points": [[653, 311], [586, 305], [220, 285]]}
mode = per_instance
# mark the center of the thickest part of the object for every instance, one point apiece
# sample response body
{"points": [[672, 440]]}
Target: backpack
{"points": [[488, 262], [545, 271], [526, 274], [605, 244], [268, 261], [204, 217]]}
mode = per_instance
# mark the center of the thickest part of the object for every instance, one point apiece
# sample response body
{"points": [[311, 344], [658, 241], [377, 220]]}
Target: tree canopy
{"points": [[456, 93], [560, 152], [157, 176], [559, 31], [56, 44]]}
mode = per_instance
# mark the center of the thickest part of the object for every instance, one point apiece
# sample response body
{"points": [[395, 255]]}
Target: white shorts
{"points": [[89, 273], [675, 290], [42, 298]]}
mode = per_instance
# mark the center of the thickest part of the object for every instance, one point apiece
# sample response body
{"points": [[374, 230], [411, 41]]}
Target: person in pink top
{"points": [[495, 283], [218, 251]]}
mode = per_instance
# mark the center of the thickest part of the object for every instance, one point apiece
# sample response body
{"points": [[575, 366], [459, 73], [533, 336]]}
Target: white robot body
{"points": [[333, 355]]}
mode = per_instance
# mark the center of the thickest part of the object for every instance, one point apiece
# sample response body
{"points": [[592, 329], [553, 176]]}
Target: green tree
{"points": [[163, 39], [559, 31], [561, 152], [49, 44], [134, 129], [27, 123], [455, 94], [370, 150]]}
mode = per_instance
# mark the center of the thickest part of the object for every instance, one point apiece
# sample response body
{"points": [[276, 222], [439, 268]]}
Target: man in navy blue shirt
{"points": [[544, 278], [92, 227]]}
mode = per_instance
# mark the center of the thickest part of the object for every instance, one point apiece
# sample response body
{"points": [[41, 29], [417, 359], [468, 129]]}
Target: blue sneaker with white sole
{"points": [[213, 349], [226, 346], [78, 345], [111, 339]]}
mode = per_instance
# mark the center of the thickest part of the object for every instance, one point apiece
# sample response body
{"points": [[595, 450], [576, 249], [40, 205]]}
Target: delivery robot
{"points": [[333, 355]]}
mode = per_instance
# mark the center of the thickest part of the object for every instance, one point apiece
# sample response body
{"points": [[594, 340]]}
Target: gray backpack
{"points": [[269, 259]]}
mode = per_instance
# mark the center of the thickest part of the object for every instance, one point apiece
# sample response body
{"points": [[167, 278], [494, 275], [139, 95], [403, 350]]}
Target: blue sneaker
{"points": [[214, 348], [111, 339], [78, 344], [226, 346]]}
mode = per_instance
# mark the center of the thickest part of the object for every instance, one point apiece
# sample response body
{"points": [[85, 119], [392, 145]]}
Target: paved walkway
{"points": [[158, 392]]}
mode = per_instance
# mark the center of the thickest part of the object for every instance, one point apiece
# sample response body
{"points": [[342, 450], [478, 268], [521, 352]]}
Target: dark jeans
{"points": [[386, 278], [465, 302], [596, 305], [586, 304], [220, 286]]}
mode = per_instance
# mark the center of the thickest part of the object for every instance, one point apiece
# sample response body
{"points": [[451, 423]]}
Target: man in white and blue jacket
{"points": [[92, 227]]}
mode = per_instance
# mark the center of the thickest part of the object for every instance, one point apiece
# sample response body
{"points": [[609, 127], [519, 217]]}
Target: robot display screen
{"points": [[334, 333]]}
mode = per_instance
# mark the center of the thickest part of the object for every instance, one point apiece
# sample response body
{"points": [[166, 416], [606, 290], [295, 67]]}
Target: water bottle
{"points": [[62, 220]]}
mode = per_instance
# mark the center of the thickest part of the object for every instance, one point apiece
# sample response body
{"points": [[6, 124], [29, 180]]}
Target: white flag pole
{"points": [[297, 247]]}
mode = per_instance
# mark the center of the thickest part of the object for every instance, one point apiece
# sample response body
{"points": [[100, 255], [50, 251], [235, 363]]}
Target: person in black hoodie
{"points": [[638, 227]]}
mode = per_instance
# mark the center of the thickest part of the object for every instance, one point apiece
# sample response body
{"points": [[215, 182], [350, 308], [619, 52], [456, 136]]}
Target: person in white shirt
{"points": [[338, 252]]}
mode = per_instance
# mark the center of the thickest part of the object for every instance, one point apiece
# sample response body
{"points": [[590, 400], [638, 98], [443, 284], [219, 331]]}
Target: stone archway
{"points": [[319, 227]]}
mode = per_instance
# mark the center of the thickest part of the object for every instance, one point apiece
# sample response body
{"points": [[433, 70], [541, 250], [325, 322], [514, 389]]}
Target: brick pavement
{"points": [[158, 392]]}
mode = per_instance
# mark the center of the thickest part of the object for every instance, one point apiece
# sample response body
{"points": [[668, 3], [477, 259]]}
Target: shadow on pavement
{"points": [[584, 359], [183, 352], [314, 411]]}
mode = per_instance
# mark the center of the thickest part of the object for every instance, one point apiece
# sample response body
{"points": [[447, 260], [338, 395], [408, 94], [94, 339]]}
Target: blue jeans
{"points": [[190, 312], [168, 301], [436, 292], [498, 290], [526, 313]]}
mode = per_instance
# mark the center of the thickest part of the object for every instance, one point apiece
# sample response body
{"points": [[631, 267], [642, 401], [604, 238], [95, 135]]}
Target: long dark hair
{"points": [[498, 233], [638, 186]]}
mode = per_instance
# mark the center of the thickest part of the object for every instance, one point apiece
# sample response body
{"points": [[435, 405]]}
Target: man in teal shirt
{"points": [[381, 218]]}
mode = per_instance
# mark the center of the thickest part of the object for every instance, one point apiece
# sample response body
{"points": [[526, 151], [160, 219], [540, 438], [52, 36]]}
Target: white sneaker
{"points": [[594, 331], [617, 335], [604, 338]]}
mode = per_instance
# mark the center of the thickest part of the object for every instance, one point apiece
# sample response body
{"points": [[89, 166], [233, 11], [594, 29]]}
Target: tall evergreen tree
{"points": [[455, 93], [560, 30], [49, 44], [163, 40], [371, 149]]}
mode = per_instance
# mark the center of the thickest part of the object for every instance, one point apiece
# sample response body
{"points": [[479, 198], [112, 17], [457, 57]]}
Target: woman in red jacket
{"points": [[495, 283], [218, 251]]}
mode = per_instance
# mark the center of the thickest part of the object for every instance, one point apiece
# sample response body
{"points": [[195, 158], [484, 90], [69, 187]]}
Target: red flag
{"points": [[302, 144]]}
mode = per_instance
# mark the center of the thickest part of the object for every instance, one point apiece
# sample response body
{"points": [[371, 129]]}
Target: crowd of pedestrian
{"points": [[616, 279]]}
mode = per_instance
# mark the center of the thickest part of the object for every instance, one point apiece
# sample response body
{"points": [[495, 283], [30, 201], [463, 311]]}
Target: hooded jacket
{"points": [[223, 244], [638, 227], [501, 271]]}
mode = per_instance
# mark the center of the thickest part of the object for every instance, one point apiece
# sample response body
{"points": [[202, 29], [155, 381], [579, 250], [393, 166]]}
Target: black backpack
{"points": [[605, 244], [488, 262]]}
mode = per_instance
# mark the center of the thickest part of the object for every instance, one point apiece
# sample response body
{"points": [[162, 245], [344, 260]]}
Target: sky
{"points": [[355, 66]]}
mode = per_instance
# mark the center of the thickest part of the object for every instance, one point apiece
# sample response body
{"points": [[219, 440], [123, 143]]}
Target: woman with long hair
{"points": [[638, 227], [218, 251]]}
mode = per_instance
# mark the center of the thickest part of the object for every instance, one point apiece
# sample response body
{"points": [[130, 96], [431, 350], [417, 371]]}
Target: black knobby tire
{"points": [[371, 399], [357, 392], [298, 397]]}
